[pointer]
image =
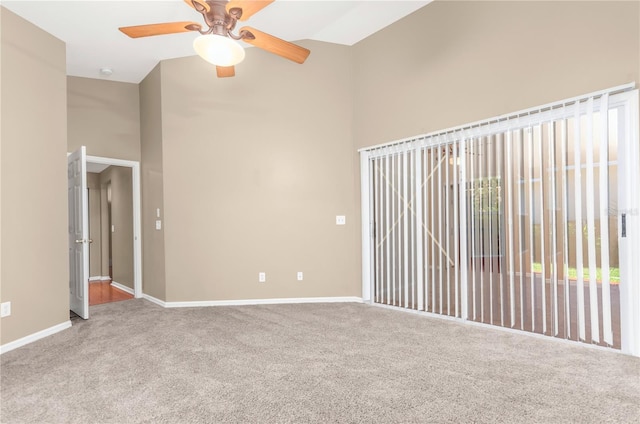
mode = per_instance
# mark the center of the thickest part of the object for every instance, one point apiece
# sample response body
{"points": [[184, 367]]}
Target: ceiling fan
{"points": [[216, 43]]}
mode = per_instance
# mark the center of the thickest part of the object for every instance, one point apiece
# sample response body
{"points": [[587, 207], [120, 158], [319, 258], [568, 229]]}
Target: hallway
{"points": [[103, 292]]}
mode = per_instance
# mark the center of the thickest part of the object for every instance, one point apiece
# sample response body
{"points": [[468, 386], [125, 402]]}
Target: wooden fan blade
{"points": [[159, 29], [244, 9], [225, 71], [199, 5], [274, 45]]}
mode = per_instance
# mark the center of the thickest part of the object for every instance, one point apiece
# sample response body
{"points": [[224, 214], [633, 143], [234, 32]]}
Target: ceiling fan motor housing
{"points": [[217, 19]]}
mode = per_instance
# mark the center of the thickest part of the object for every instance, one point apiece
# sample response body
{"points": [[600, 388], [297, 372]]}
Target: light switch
{"points": [[113, 228], [157, 212], [158, 225]]}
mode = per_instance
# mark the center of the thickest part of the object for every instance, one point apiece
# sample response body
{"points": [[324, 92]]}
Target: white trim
{"points": [[245, 302], [137, 235], [34, 337], [99, 278], [366, 222], [629, 204], [154, 300], [123, 288]]}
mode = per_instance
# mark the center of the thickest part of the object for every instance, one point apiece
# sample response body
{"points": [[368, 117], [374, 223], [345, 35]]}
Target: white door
{"points": [[78, 233]]}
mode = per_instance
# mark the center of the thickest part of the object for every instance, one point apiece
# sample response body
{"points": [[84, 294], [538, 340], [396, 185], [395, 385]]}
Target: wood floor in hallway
{"points": [[103, 292]]}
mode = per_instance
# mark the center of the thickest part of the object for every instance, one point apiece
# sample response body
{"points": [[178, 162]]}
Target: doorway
{"points": [[79, 240], [110, 192], [115, 200]]}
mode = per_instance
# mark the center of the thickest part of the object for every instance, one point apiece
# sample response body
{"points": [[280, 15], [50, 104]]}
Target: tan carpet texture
{"points": [[135, 362]]}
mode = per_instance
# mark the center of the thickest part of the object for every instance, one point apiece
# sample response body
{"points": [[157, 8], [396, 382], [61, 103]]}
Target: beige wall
{"points": [[249, 172], [455, 62], [256, 168], [95, 225], [153, 253], [120, 180], [105, 117], [35, 277]]}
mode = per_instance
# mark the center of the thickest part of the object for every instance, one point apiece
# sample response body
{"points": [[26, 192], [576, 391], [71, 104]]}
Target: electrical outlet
{"points": [[341, 220], [5, 309], [300, 276], [262, 277]]}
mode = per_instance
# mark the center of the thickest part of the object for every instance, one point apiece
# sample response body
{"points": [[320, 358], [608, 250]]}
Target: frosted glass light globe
{"points": [[218, 50]]}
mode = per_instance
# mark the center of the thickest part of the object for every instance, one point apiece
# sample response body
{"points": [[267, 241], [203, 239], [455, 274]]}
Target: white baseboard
{"points": [[99, 278], [33, 337], [123, 288], [154, 300], [241, 302]]}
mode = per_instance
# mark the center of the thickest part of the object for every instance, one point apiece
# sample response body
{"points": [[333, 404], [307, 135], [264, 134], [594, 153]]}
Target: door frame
{"points": [[137, 234]]}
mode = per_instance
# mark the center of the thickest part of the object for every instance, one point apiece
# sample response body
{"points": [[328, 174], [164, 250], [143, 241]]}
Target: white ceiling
{"points": [[96, 168], [90, 28]]}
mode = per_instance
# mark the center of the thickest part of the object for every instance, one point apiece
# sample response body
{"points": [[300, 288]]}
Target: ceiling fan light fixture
{"points": [[218, 50]]}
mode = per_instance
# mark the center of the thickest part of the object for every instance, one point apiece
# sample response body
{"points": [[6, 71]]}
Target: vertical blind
{"points": [[511, 222]]}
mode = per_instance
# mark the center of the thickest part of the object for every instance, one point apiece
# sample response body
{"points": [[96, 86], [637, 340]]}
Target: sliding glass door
{"points": [[516, 222], [543, 220]]}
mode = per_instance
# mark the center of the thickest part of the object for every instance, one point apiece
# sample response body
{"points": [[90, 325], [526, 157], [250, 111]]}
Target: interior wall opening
{"points": [[111, 267]]}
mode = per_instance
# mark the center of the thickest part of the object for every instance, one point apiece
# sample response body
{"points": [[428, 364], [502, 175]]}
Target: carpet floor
{"points": [[135, 362]]}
